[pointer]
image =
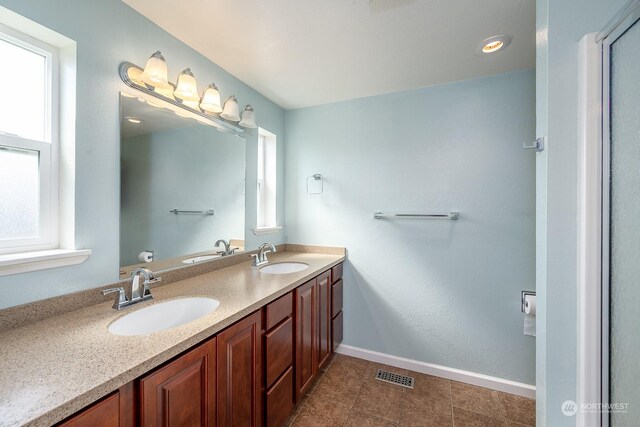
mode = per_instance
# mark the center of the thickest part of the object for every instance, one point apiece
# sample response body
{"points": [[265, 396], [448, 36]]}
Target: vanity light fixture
{"points": [[211, 99], [494, 44], [182, 98], [248, 118], [186, 88], [155, 72], [231, 110]]}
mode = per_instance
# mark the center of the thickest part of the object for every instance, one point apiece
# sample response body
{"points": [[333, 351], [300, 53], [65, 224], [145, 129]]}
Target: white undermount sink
{"points": [[284, 267], [162, 316], [200, 258]]}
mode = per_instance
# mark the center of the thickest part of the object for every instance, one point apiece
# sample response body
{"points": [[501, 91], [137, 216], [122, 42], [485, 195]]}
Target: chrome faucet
{"points": [[139, 292], [228, 250], [261, 257]]}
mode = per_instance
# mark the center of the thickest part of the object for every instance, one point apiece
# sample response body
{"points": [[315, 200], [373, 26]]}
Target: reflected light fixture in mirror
{"points": [[134, 120], [248, 118], [211, 99], [186, 88], [231, 110], [155, 72]]}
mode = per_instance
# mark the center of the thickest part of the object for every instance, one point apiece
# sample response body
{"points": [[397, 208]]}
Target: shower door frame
{"points": [[632, 16], [594, 210]]}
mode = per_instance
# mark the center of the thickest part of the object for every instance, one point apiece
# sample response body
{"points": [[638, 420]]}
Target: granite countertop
{"points": [[55, 367]]}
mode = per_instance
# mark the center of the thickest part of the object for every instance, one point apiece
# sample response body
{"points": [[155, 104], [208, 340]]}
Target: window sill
{"points": [[41, 260], [266, 230]]}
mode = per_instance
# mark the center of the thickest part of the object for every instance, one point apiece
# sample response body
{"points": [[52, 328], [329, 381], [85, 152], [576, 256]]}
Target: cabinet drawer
{"points": [[104, 413], [336, 298], [336, 328], [278, 351], [278, 310], [336, 273], [280, 400]]}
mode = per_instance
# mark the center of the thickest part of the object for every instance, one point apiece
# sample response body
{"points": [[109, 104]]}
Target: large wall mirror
{"points": [[181, 189]]}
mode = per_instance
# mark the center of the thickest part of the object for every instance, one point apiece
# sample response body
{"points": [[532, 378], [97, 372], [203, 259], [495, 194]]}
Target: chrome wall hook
{"points": [[537, 145]]}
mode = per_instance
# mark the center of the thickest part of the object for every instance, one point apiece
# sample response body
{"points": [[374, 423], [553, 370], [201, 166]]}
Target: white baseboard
{"points": [[481, 380]]}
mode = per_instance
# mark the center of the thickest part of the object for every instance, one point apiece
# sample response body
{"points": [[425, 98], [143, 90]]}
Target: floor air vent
{"points": [[390, 377]]}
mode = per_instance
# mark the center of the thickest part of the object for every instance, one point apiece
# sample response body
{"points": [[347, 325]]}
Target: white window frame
{"points": [[48, 148], [267, 182]]}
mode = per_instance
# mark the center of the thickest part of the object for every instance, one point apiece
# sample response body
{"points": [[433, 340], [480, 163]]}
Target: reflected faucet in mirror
{"points": [[228, 250]]}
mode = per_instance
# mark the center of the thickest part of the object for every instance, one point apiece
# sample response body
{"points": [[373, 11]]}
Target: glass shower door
{"points": [[624, 228]]}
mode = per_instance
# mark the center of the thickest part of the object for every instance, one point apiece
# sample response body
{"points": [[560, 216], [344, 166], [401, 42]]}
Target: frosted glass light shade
{"points": [[155, 72], [186, 88], [211, 99], [248, 118], [231, 110], [191, 104]]}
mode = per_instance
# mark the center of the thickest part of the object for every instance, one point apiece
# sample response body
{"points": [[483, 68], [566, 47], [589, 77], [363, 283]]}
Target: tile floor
{"points": [[346, 394]]}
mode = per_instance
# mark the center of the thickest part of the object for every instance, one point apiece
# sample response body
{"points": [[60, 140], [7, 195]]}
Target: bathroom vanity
{"points": [[246, 363]]}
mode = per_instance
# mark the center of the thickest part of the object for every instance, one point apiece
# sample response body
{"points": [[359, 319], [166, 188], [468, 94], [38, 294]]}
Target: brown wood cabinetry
{"points": [[318, 318], [250, 374], [278, 366], [306, 307], [324, 317], [279, 400], [336, 306], [183, 392], [278, 351], [115, 410], [240, 373], [278, 310]]}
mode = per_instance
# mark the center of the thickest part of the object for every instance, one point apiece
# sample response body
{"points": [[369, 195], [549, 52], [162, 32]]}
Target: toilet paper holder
{"points": [[522, 297]]}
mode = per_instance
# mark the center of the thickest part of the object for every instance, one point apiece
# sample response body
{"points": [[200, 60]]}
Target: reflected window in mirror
{"points": [[267, 149]]}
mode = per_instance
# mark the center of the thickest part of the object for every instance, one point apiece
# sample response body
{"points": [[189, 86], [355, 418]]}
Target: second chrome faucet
{"points": [[261, 257]]}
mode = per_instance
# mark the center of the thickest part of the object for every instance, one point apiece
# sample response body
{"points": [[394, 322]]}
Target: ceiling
{"points": [[300, 53]]}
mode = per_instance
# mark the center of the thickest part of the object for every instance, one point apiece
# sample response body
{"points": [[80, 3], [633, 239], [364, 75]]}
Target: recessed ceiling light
{"points": [[134, 120], [494, 44]]}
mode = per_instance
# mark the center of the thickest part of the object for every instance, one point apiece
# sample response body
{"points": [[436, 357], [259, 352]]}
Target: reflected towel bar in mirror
{"points": [[451, 215], [180, 211]]}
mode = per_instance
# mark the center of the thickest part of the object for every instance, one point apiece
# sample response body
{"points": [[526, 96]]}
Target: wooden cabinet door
{"points": [[306, 336], [240, 373], [115, 410], [324, 317], [182, 393]]}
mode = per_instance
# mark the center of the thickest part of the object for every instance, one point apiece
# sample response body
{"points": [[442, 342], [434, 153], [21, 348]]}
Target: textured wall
{"points": [[107, 33], [437, 291]]}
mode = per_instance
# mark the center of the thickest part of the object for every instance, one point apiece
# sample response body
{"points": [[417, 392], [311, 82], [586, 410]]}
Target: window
{"points": [[28, 144], [266, 180]]}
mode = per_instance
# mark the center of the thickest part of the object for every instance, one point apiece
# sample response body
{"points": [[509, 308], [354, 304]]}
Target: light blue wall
{"points": [[191, 168], [568, 21], [107, 33], [437, 291]]}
